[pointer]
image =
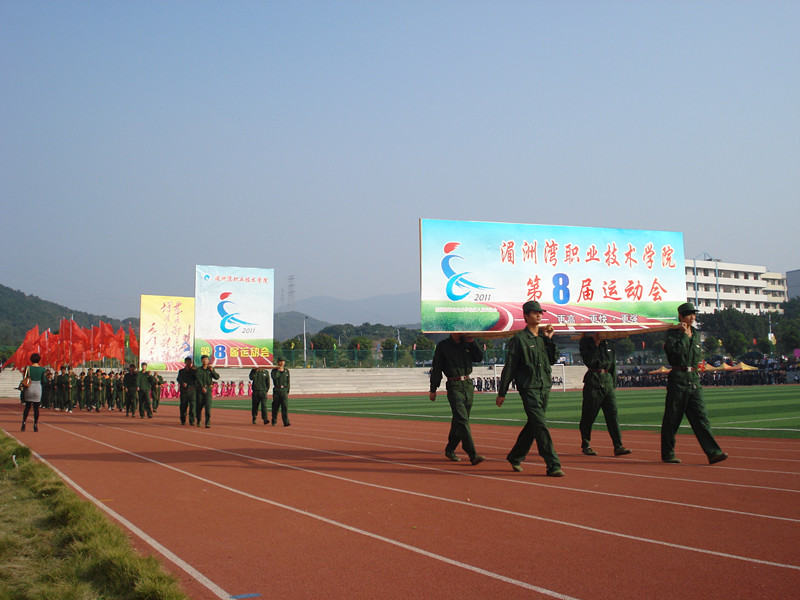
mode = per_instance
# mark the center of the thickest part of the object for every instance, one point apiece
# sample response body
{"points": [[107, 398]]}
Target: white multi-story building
{"points": [[715, 285]]}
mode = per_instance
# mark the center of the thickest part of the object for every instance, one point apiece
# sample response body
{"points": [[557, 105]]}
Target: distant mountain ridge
{"points": [[19, 312], [387, 309]]}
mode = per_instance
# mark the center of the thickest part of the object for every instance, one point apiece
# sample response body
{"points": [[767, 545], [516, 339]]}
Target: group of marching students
{"points": [[133, 391], [140, 390]]}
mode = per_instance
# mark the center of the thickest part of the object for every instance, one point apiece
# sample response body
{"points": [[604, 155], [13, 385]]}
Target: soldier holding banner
{"points": [[130, 381], [599, 383], [684, 392], [205, 377], [530, 356], [187, 382], [453, 357], [280, 393], [260, 379], [145, 382]]}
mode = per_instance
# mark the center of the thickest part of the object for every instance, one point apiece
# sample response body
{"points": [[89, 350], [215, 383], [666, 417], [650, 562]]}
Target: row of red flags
{"points": [[73, 345]]}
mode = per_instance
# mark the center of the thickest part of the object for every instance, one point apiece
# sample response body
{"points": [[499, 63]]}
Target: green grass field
{"points": [[755, 411]]}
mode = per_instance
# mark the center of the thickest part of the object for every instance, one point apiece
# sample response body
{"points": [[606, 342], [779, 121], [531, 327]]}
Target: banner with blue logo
{"points": [[234, 316], [475, 276]]}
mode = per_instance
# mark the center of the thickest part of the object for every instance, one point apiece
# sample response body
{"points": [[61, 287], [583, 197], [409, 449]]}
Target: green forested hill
{"points": [[19, 312]]}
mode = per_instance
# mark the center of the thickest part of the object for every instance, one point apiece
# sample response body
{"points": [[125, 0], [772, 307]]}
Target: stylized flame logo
{"points": [[456, 281], [230, 320]]}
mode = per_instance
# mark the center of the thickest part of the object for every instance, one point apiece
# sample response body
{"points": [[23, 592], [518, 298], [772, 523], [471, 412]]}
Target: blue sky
{"points": [[138, 139]]}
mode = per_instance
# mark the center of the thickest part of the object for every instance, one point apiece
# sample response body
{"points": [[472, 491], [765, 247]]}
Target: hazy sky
{"points": [[138, 139]]}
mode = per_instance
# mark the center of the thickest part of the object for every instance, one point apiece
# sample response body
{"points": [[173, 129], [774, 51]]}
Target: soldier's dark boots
{"points": [[715, 458]]}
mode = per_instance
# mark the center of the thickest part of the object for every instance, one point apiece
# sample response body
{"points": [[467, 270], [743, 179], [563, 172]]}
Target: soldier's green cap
{"points": [[687, 308], [532, 306], [281, 359]]}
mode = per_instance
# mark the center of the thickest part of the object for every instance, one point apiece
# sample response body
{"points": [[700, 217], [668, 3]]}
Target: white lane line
{"points": [[510, 441], [503, 479], [356, 412], [404, 546], [166, 552], [601, 471], [426, 496], [762, 421]]}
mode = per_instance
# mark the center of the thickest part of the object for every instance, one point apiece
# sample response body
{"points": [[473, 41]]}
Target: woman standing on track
{"points": [[33, 393]]}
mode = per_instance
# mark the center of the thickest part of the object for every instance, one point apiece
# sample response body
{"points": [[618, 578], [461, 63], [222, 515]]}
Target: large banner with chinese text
{"points": [[165, 331], [475, 277], [234, 316]]}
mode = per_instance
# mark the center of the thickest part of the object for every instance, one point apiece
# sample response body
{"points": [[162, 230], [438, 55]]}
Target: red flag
{"points": [[78, 334], [22, 356], [51, 354], [114, 347], [107, 332], [119, 344], [134, 343], [65, 342], [95, 344]]}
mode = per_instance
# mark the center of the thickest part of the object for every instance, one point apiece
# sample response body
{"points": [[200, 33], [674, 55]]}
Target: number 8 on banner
{"points": [[560, 288]]}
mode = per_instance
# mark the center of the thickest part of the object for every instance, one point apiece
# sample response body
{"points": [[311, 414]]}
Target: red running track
{"points": [[337, 507]]}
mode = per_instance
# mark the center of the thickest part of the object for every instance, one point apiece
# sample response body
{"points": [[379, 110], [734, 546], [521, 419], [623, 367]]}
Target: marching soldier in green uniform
{"points": [[280, 393], [62, 389], [684, 392], [119, 391], [145, 382], [80, 392], [453, 357], [130, 381], [97, 390], [529, 358], [108, 391], [48, 389], [260, 378], [158, 381], [87, 389], [72, 388], [187, 382], [205, 377], [599, 383]]}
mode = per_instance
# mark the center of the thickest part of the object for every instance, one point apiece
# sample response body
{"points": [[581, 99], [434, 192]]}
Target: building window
{"points": [[738, 304]]}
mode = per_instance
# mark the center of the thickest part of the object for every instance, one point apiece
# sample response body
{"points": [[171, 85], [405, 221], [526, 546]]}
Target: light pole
{"points": [[304, 342]]}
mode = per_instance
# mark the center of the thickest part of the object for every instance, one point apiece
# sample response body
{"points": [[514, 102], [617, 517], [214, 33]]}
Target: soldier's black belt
{"points": [[599, 370], [683, 368], [462, 378]]}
